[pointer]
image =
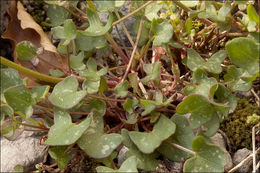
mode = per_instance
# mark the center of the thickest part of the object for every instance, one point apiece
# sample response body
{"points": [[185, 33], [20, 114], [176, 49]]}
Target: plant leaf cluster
{"points": [[105, 99]]}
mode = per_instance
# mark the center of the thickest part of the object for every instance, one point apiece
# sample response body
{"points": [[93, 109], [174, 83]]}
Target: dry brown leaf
{"points": [[22, 27]]}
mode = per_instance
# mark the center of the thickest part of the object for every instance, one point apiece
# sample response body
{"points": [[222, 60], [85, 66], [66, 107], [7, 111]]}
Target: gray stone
{"points": [[219, 141], [241, 155], [26, 151]]}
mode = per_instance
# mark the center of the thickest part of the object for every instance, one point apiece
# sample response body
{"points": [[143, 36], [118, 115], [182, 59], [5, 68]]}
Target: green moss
{"points": [[238, 128], [197, 25]]}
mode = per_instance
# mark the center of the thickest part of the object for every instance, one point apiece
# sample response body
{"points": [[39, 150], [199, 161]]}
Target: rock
{"points": [[122, 155], [26, 151], [241, 155], [219, 141]]}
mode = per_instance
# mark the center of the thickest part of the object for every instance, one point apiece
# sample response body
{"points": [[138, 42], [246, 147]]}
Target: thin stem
{"points": [[126, 31], [29, 125], [115, 68], [182, 148], [176, 73], [74, 14], [68, 57], [48, 110], [29, 119], [78, 10], [253, 147], [29, 72], [117, 48], [134, 50], [132, 13], [35, 130], [74, 47], [105, 98]]}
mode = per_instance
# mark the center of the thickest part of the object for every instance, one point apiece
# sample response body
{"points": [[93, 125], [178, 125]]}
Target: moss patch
{"points": [[238, 127]]}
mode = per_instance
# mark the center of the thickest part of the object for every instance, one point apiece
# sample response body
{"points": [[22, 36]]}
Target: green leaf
{"points": [[64, 132], [104, 6], [133, 82], [241, 4], [70, 31], [199, 107], [201, 84], [211, 126], [148, 142], [213, 65], [183, 136], [151, 11], [224, 11], [129, 165], [208, 158], [97, 105], [11, 129], [234, 81], [103, 86], [95, 143], [57, 15], [210, 12], [56, 73], [149, 106], [9, 78], [20, 99], [26, 51], [85, 43], [62, 158], [145, 161], [6, 110], [190, 3], [76, 62], [39, 92], [153, 72], [252, 14], [59, 32], [129, 105], [224, 96], [96, 28], [121, 89], [162, 30], [92, 83], [65, 94], [244, 53]]}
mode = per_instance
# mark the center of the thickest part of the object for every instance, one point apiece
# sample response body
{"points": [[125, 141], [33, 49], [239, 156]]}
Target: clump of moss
{"points": [[197, 25], [238, 127]]}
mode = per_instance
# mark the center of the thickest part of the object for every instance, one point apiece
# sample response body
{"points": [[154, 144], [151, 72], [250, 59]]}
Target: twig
{"points": [[74, 14], [182, 148], [132, 13], [105, 98], [256, 96], [253, 146], [243, 162], [134, 50]]}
